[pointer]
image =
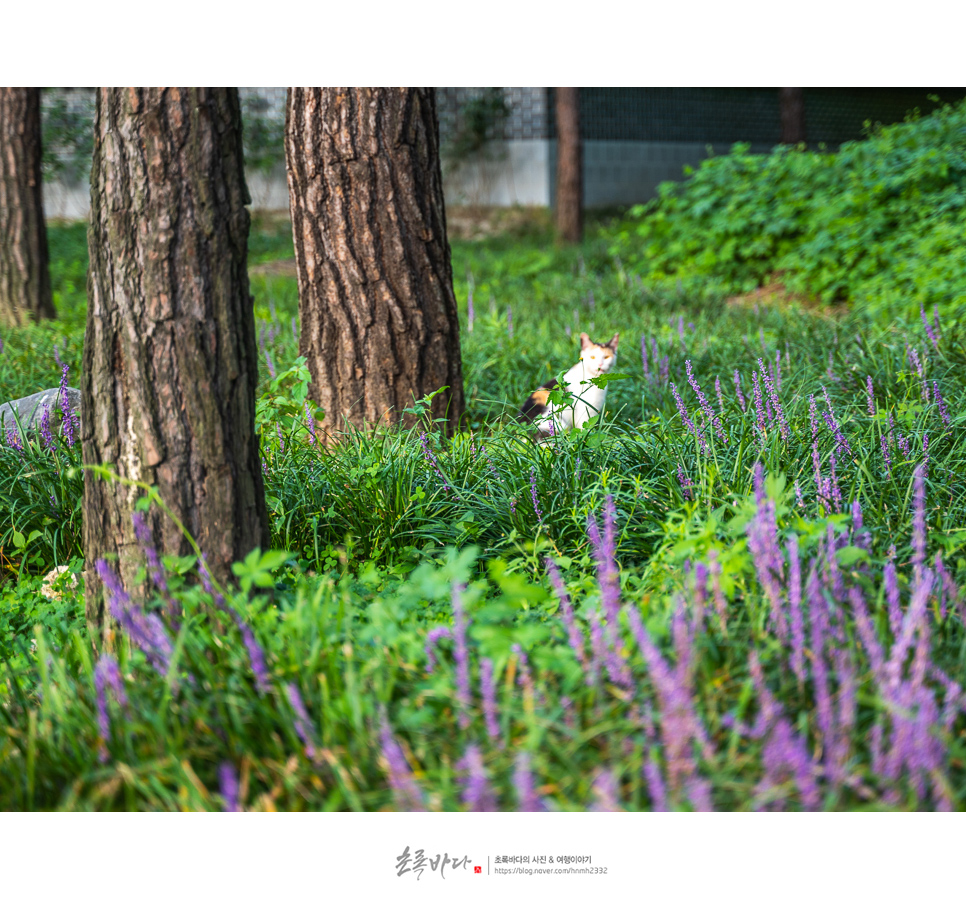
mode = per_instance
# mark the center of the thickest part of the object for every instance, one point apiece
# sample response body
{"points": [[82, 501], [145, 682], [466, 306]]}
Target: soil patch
{"points": [[275, 268], [775, 294]]}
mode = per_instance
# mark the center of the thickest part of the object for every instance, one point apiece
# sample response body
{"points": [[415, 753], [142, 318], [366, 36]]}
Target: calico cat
{"points": [[588, 400]]}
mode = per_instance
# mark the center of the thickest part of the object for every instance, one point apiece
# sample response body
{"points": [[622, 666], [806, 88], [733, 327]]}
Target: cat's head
{"points": [[597, 358]]}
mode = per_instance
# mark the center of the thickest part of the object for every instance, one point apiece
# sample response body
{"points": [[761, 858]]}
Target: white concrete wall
{"points": [[518, 172], [514, 172], [269, 192], [615, 173], [68, 202]]}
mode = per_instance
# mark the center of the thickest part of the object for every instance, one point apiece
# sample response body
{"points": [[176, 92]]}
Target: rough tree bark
{"points": [[376, 301], [570, 192], [168, 382], [792, 104], [24, 270]]}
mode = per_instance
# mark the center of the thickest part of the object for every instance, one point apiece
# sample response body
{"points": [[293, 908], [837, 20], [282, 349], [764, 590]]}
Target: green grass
{"points": [[371, 540]]}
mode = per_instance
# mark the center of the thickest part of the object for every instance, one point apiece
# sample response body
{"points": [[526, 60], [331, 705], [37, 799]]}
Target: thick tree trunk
{"points": [[24, 270], [792, 103], [168, 383], [570, 192], [379, 321]]}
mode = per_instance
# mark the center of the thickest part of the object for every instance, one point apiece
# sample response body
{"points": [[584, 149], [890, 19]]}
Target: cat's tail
{"points": [[536, 404]]}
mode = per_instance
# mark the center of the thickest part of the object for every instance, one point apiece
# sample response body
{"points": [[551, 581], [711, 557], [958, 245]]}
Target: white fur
{"points": [[588, 399]]}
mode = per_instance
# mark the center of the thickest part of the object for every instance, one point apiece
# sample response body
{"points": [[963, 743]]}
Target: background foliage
{"points": [[877, 224], [758, 601]]}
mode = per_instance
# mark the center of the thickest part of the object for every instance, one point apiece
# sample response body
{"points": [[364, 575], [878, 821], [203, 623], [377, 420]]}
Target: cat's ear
{"points": [[613, 342], [585, 341]]}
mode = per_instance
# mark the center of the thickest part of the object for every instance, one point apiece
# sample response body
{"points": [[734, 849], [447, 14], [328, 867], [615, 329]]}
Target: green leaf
{"points": [[603, 379], [849, 556]]}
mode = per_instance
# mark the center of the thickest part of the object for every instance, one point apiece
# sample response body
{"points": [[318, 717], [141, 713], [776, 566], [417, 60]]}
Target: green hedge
{"points": [[878, 224]]}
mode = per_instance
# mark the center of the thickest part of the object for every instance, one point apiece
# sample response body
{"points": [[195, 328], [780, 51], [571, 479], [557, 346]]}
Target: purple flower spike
{"points": [[892, 597], [431, 460], [705, 405], [256, 655], [738, 393], [462, 656], [606, 793], [205, 573], [142, 531], [608, 577], [406, 791], [720, 606], [759, 408], [228, 783], [533, 496], [772, 391], [145, 630], [785, 755], [46, 435], [68, 415], [432, 639], [470, 312], [687, 486], [13, 439], [303, 724], [920, 372], [795, 610], [107, 676], [941, 405], [574, 635], [681, 729], [477, 793], [525, 678], [310, 424], [655, 782], [919, 523], [870, 398], [687, 419], [767, 556], [527, 798], [488, 692], [647, 373], [509, 322]]}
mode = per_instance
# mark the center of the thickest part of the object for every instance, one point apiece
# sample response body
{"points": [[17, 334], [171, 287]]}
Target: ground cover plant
{"points": [[740, 590], [877, 224]]}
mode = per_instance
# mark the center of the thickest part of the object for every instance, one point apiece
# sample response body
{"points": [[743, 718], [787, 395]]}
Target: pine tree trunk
{"points": [[24, 270], [792, 104], [376, 301], [570, 192], [168, 382]]}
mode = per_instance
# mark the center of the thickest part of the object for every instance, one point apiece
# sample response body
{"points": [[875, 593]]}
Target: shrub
{"points": [[877, 224]]}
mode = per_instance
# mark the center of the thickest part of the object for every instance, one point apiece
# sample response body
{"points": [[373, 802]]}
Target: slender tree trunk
{"points": [[376, 301], [24, 270], [570, 191], [168, 383], [792, 103]]}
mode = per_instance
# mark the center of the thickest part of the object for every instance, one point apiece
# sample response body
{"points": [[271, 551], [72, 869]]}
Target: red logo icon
{"points": [[478, 870]]}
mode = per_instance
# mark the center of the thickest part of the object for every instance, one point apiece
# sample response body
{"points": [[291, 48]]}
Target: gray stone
{"points": [[30, 409]]}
